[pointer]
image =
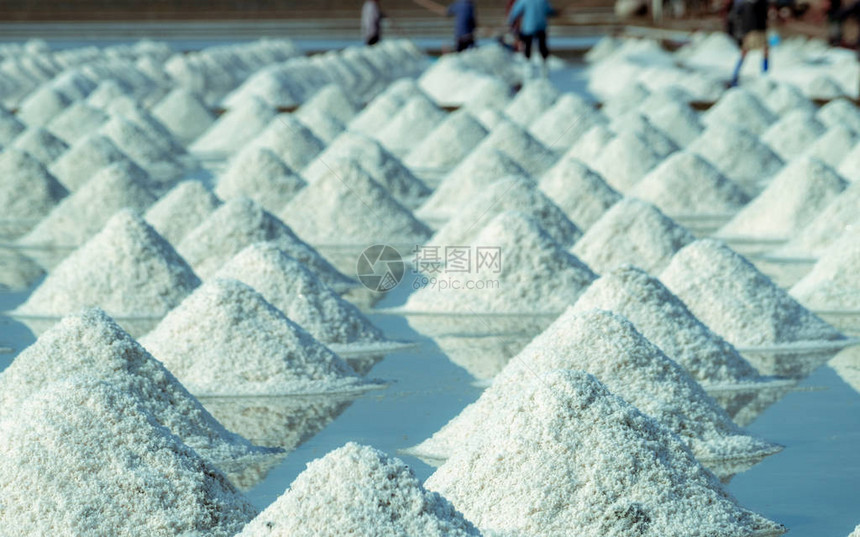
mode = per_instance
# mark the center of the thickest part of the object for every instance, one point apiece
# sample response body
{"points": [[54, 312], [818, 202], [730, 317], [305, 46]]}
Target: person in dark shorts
{"points": [[748, 24], [532, 16], [465, 23]]}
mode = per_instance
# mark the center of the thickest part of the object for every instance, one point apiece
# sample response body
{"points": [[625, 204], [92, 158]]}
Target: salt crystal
{"points": [[793, 133], [632, 231], [514, 141], [10, 126], [358, 490], [184, 114], [560, 462], [740, 108], [127, 269], [448, 143], [90, 446], [325, 127], [182, 209], [43, 145], [579, 191], [290, 140], [734, 299], [791, 201], [738, 153], [676, 120], [591, 144], [332, 100], [235, 127], [562, 124], [76, 121], [415, 120], [840, 112], [28, 191], [826, 227], [534, 99], [832, 284], [687, 184], [625, 160], [256, 172], [85, 158], [42, 106], [657, 140], [225, 339], [833, 146]]}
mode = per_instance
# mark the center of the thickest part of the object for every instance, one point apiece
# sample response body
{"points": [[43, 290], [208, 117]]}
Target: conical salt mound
{"points": [[160, 135], [384, 167], [470, 178], [579, 191], [656, 139], [447, 144], [376, 113], [292, 288], [44, 146], [236, 127], [840, 112], [77, 217], [42, 106], [686, 184], [290, 140], [833, 146], [85, 158], [323, 126], [850, 165], [10, 127], [90, 344], [662, 318], [184, 114], [533, 274], [825, 88], [182, 209], [257, 173], [739, 154], [514, 141], [740, 108], [631, 232], [734, 299], [833, 283], [625, 160], [562, 124], [791, 201], [99, 463], [225, 339], [348, 206], [77, 121], [353, 489], [27, 192], [410, 125], [127, 269], [793, 133], [676, 119], [568, 424], [856, 532], [516, 193], [783, 99], [591, 144], [827, 227], [333, 101], [532, 101], [241, 222], [139, 144]]}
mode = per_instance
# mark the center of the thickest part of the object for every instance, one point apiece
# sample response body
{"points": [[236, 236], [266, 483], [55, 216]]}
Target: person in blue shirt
{"points": [[465, 23], [532, 15]]}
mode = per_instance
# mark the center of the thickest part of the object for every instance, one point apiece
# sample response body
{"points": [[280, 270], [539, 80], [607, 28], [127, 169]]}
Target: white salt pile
{"points": [[410, 125], [633, 232], [182, 209], [156, 132], [447, 144], [42, 106], [292, 288], [833, 283], [184, 114], [347, 206], [654, 137], [514, 141], [290, 140], [514, 193], [628, 98], [782, 99], [470, 178], [535, 273], [533, 100], [28, 191], [91, 447], [235, 128], [742, 109], [825, 88], [625, 160], [840, 112], [559, 126], [377, 113], [10, 127], [91, 344], [85, 158], [107, 92], [331, 100], [258, 173], [738, 153], [827, 227], [833, 146], [140, 144], [791, 201], [568, 424], [44, 146], [793, 133], [77, 217], [734, 299], [676, 120], [856, 532], [325, 127], [687, 184], [225, 339], [579, 191], [662, 318], [127, 269], [239, 223], [850, 165], [489, 117], [591, 144], [77, 121], [358, 490]]}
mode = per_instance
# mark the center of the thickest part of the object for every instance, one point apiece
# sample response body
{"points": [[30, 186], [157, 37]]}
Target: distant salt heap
{"points": [[225, 339], [687, 184], [824, 87], [840, 112], [10, 127], [734, 299], [565, 122], [77, 121], [447, 144], [676, 120], [28, 191], [591, 145], [184, 114], [833, 283], [107, 92], [356, 490], [331, 100], [182, 209], [739, 154], [740, 108], [235, 128], [654, 137], [84, 443], [348, 207], [833, 146], [91, 344], [568, 424], [579, 191], [662, 318], [78, 217], [139, 144], [627, 99], [634, 232], [292, 288], [782, 99], [625, 160], [833, 220], [793, 133], [508, 194], [288, 138], [410, 125], [534, 99], [323, 126], [44, 146], [528, 152], [791, 201], [127, 269], [239, 223], [85, 158], [41, 106], [536, 273], [377, 113], [258, 173]]}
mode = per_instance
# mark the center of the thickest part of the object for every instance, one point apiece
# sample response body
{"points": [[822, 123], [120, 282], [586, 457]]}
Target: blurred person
{"points": [[371, 22], [532, 15], [748, 24], [515, 27], [465, 21]]}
